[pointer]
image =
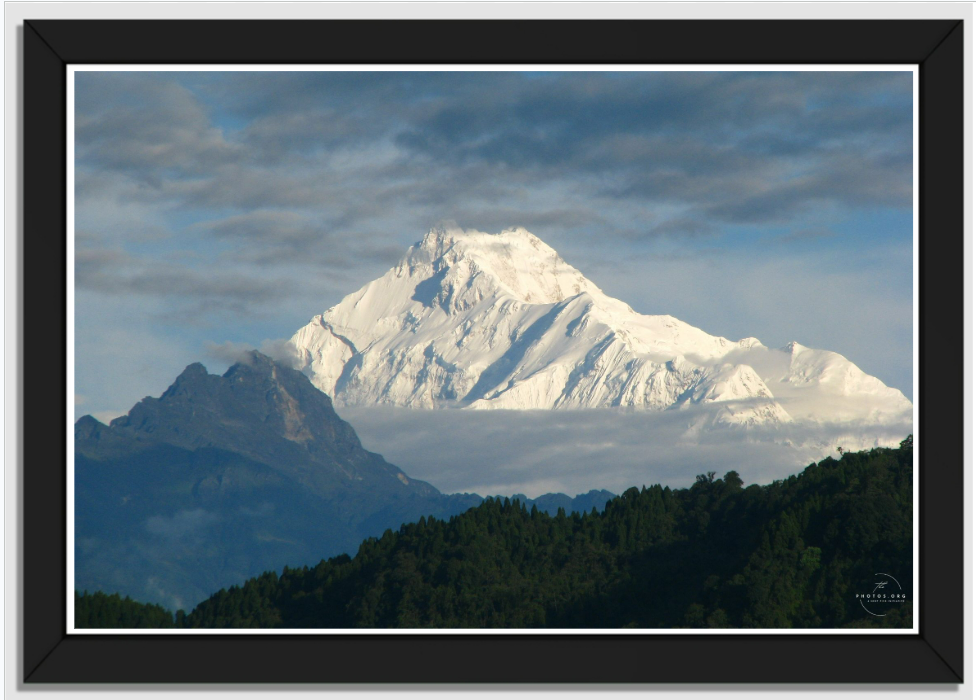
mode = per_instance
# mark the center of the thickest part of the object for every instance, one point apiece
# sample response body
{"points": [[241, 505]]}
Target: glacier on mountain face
{"points": [[499, 321]]}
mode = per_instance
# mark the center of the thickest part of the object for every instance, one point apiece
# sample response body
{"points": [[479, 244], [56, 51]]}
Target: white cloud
{"points": [[229, 352], [572, 452]]}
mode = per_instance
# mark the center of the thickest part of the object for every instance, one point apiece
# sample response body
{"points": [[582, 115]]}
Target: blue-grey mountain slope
{"points": [[223, 477]]}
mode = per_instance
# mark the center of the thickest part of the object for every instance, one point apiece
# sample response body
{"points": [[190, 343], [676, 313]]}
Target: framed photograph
{"points": [[596, 355]]}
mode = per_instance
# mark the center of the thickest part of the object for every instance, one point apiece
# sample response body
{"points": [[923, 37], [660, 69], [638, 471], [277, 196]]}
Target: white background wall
{"points": [[16, 12]]}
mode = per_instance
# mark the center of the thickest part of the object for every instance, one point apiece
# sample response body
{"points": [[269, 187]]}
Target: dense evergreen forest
{"points": [[100, 610], [793, 553]]}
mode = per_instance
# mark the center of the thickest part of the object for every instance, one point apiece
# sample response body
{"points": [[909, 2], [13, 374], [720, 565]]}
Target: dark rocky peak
{"points": [[258, 407], [262, 410], [261, 385], [193, 371], [93, 436], [88, 427], [247, 387], [191, 380]]}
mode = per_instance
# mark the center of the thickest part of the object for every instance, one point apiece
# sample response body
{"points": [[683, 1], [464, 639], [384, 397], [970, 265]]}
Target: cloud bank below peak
{"points": [[537, 452]]}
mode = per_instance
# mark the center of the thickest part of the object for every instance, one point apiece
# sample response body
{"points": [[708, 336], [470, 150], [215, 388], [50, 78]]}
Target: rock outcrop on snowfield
{"points": [[500, 321]]}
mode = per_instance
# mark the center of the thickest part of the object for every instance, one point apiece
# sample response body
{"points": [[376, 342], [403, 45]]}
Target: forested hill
{"points": [[100, 610], [790, 554]]}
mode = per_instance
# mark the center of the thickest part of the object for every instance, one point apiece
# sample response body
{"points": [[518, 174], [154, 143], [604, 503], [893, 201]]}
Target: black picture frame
{"points": [[935, 655]]}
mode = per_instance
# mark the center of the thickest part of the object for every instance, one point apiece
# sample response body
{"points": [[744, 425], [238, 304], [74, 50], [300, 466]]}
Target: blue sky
{"points": [[215, 210]]}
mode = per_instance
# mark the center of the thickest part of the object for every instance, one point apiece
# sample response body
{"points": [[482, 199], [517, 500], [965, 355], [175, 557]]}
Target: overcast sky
{"points": [[215, 210]]}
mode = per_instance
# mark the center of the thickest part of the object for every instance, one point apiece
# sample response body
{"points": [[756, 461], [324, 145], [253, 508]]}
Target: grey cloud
{"points": [[230, 352], [255, 95], [694, 139], [227, 352], [274, 138], [245, 188], [113, 271], [808, 234], [681, 226], [845, 179], [258, 224], [161, 130], [270, 238], [350, 190], [739, 146]]}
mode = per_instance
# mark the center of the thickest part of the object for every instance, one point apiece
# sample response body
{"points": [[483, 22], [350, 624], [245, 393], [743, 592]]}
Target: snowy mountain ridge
{"points": [[500, 321]]}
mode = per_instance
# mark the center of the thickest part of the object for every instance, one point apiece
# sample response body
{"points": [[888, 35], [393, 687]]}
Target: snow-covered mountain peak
{"points": [[514, 261], [500, 321], [439, 239], [793, 348]]}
